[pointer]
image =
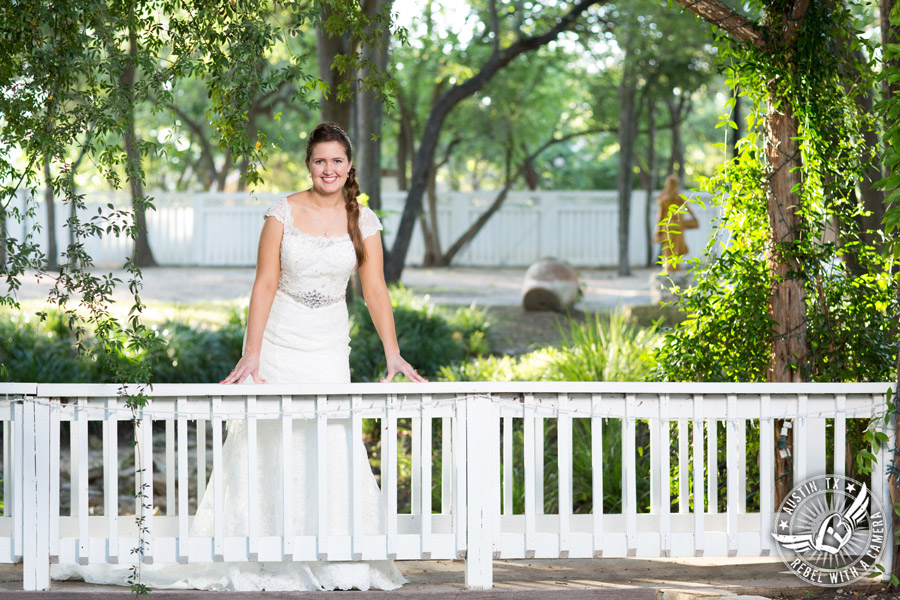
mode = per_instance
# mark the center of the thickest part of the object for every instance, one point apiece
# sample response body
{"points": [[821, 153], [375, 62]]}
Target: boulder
{"points": [[550, 284]]}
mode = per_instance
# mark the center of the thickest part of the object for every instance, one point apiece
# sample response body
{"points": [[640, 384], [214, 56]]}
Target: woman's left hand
{"points": [[396, 364]]}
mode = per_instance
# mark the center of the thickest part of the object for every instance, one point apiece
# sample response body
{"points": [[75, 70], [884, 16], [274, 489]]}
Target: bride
{"points": [[297, 332]]}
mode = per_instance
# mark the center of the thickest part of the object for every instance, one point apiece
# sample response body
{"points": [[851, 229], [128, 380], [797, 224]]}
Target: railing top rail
{"points": [[18, 389], [86, 390]]}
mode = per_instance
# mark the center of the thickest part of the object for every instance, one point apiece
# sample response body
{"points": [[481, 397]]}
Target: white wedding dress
{"points": [[306, 340]]}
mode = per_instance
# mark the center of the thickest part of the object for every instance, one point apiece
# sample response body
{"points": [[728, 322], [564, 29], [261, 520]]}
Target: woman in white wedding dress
{"points": [[297, 332]]}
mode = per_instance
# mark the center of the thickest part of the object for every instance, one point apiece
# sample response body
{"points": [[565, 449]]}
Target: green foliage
{"points": [[851, 302], [430, 337], [605, 348], [44, 352]]}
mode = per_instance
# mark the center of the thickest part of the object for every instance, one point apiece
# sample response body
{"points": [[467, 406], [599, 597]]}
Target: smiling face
{"points": [[328, 166]]}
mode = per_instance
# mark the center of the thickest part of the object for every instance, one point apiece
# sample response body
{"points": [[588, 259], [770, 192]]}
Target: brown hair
{"points": [[331, 132]]}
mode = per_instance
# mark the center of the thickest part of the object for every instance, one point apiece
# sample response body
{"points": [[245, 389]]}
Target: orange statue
{"points": [[675, 215]]}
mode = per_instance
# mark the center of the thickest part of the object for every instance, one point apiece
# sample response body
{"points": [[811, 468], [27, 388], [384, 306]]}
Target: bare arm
{"points": [[378, 301], [268, 269]]}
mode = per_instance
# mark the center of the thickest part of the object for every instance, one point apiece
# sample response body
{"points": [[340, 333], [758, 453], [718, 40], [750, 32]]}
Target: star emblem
{"points": [[851, 488], [783, 525]]}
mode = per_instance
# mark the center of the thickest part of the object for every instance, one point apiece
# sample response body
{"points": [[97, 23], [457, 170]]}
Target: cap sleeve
{"points": [[369, 224], [281, 210]]}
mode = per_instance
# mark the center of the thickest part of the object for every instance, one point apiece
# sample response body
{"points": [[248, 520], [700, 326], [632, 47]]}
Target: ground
{"points": [[513, 330], [859, 591]]}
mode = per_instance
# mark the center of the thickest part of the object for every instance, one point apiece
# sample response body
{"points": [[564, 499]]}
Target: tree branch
{"points": [[442, 108], [495, 26], [720, 15], [483, 218]]}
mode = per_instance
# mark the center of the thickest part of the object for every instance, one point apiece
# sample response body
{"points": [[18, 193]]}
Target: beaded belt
{"points": [[314, 299]]}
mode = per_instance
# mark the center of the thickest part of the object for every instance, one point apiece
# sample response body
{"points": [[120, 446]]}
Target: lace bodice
{"points": [[315, 269]]}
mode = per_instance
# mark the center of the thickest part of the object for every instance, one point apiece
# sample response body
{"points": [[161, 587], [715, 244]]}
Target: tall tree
{"points": [[776, 35], [448, 100], [627, 133]]}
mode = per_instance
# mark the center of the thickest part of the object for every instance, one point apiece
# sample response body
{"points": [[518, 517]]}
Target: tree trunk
{"points": [[52, 250], [369, 118], [650, 180], [393, 265], [889, 35], [677, 110], [787, 304], [624, 179], [429, 222], [327, 48], [142, 255], [872, 197]]}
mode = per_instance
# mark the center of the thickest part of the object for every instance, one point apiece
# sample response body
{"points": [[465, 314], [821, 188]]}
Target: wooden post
{"points": [[479, 478]]}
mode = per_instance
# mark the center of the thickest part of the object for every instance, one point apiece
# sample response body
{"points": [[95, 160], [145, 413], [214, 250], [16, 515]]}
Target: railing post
{"points": [[479, 479], [35, 481]]}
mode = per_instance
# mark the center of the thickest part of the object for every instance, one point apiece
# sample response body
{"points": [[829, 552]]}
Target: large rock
{"points": [[550, 284]]}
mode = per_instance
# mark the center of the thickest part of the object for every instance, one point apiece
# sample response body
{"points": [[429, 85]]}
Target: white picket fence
{"points": [[477, 520], [222, 228]]}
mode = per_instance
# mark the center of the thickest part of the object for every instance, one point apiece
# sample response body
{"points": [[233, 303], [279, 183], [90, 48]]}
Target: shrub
{"points": [[430, 337]]}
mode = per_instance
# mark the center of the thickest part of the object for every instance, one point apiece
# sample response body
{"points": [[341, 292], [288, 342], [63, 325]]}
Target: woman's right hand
{"points": [[248, 365]]}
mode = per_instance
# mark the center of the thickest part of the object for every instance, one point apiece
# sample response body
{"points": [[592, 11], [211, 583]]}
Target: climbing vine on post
{"points": [[790, 290]]}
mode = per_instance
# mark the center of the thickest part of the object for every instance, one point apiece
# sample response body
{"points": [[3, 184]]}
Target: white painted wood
{"points": [[507, 465], [200, 435], [664, 474], [734, 454], [425, 424], [530, 468], [357, 468], [801, 461], [389, 473], [480, 513], [184, 535], [82, 467], [415, 440], [493, 463], [322, 476], [712, 467], [143, 481], [766, 474], [564, 461], [699, 521], [460, 483], [684, 486], [460, 533], [253, 490], [35, 497], [8, 475], [539, 465], [742, 464], [597, 474], [218, 481], [18, 501], [54, 479], [287, 477], [629, 472], [111, 478], [73, 463], [840, 435]]}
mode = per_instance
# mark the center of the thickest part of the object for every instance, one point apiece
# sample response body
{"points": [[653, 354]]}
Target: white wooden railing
{"points": [[493, 439], [222, 228]]}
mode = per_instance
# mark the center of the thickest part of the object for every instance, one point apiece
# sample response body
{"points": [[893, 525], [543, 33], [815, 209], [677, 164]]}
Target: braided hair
{"points": [[331, 132]]}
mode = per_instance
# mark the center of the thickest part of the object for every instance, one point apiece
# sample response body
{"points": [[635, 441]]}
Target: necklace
{"points": [[325, 227]]}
